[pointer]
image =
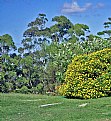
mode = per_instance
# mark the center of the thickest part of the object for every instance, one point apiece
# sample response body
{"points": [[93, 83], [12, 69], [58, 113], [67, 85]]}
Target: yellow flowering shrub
{"points": [[88, 76]]}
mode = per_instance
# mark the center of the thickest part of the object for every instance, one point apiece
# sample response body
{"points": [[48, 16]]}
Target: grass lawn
{"points": [[19, 107]]}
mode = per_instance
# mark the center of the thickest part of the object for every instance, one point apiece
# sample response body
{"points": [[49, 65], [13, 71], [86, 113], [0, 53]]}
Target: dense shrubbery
{"points": [[88, 76]]}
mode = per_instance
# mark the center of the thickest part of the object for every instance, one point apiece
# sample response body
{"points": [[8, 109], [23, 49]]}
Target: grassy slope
{"points": [[19, 107]]}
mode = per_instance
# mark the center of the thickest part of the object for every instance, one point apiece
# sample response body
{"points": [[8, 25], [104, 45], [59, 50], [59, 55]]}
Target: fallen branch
{"points": [[83, 105], [49, 104]]}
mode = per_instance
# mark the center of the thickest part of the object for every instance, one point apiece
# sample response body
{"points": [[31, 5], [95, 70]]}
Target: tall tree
{"points": [[35, 34], [7, 67], [59, 31], [107, 31], [6, 44]]}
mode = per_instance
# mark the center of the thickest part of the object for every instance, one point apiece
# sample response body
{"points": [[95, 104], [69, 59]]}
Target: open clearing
{"points": [[20, 107]]}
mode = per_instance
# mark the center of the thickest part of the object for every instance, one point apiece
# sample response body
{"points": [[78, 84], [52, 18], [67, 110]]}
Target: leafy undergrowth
{"points": [[19, 107]]}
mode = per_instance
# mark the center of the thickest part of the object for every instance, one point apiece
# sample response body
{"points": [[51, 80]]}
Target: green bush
{"points": [[38, 89], [23, 90], [7, 87], [88, 76]]}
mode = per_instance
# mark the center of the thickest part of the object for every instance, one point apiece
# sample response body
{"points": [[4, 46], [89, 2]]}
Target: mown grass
{"points": [[20, 107]]}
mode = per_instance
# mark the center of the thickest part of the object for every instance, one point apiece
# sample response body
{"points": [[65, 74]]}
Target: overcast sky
{"points": [[16, 14]]}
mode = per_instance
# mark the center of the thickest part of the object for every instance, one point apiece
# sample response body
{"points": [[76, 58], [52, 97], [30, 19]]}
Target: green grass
{"points": [[19, 107]]}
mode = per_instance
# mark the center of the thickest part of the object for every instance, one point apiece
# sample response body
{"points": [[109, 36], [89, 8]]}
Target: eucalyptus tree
{"points": [[59, 31], [35, 34], [35, 38], [7, 67], [6, 44], [32, 61], [107, 32], [79, 32]]}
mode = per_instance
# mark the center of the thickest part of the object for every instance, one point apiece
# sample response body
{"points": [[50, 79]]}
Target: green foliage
{"points": [[23, 90], [94, 43], [88, 76], [41, 62], [107, 31], [38, 89], [66, 51], [7, 87], [59, 31], [6, 44]]}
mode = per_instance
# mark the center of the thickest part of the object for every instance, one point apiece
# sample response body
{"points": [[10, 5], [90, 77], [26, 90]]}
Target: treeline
{"points": [[40, 64]]}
